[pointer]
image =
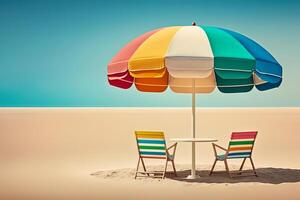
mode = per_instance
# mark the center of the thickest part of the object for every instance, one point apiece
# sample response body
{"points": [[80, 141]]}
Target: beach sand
{"points": [[91, 153]]}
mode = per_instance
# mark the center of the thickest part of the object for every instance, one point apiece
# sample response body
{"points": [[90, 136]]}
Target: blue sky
{"points": [[55, 53]]}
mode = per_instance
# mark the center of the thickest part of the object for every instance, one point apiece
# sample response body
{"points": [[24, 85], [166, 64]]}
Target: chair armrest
{"points": [[172, 146], [215, 150], [174, 149], [214, 144]]}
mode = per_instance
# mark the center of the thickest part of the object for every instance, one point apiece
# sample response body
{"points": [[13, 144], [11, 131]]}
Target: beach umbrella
{"points": [[194, 59]]}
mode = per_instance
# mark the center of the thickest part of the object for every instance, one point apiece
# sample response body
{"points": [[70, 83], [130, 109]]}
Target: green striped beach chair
{"points": [[152, 145], [240, 146]]}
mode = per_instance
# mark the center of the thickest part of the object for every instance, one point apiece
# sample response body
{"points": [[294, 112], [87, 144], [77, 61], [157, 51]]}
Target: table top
{"points": [[193, 140]]}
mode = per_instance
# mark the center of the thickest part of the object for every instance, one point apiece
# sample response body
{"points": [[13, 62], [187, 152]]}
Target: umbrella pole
{"points": [[193, 172]]}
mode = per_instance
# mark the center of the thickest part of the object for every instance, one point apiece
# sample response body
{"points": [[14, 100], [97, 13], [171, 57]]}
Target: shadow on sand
{"points": [[265, 175]]}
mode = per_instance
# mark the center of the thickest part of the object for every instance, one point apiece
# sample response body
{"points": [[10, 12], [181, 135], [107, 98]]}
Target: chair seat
{"points": [[222, 157], [170, 157]]}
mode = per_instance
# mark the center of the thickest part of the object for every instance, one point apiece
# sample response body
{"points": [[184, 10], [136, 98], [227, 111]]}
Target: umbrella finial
{"points": [[194, 24]]}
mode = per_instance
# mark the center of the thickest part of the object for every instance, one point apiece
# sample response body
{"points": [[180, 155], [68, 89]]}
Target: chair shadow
{"points": [[265, 175]]}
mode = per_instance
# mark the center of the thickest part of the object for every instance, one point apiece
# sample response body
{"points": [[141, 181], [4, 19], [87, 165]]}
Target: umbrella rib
{"points": [[265, 73], [185, 86], [235, 70]]}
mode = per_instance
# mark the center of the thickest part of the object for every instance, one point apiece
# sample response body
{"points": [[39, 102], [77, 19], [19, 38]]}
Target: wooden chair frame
{"points": [[231, 173], [157, 174]]}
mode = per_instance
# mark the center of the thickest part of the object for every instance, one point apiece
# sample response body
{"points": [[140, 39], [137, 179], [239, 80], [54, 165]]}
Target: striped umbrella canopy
{"points": [[199, 57], [194, 59]]}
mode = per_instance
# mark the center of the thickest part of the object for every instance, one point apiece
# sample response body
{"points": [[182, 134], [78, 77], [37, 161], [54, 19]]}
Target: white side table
{"points": [[193, 141]]}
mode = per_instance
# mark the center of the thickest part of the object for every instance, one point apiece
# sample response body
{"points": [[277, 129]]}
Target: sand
{"points": [[91, 153], [267, 175]]}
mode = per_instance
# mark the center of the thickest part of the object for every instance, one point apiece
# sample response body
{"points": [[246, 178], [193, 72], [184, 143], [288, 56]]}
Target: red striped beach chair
{"points": [[152, 145], [240, 146]]}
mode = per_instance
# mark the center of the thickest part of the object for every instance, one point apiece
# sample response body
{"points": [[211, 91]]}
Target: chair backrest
{"points": [[151, 144], [241, 144]]}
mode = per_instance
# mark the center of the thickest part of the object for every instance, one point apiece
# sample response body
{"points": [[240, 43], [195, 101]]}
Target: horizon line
{"points": [[134, 108]]}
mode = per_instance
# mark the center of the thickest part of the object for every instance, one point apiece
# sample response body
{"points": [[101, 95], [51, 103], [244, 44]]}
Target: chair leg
{"points": [[253, 167], [227, 168], [212, 169], [173, 164], [137, 168], [164, 173], [241, 168], [144, 167]]}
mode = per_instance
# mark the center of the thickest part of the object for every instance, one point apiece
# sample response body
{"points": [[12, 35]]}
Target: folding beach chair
{"points": [[152, 145], [240, 146]]}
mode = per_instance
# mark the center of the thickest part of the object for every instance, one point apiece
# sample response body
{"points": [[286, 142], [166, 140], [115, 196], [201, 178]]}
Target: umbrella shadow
{"points": [[265, 175]]}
